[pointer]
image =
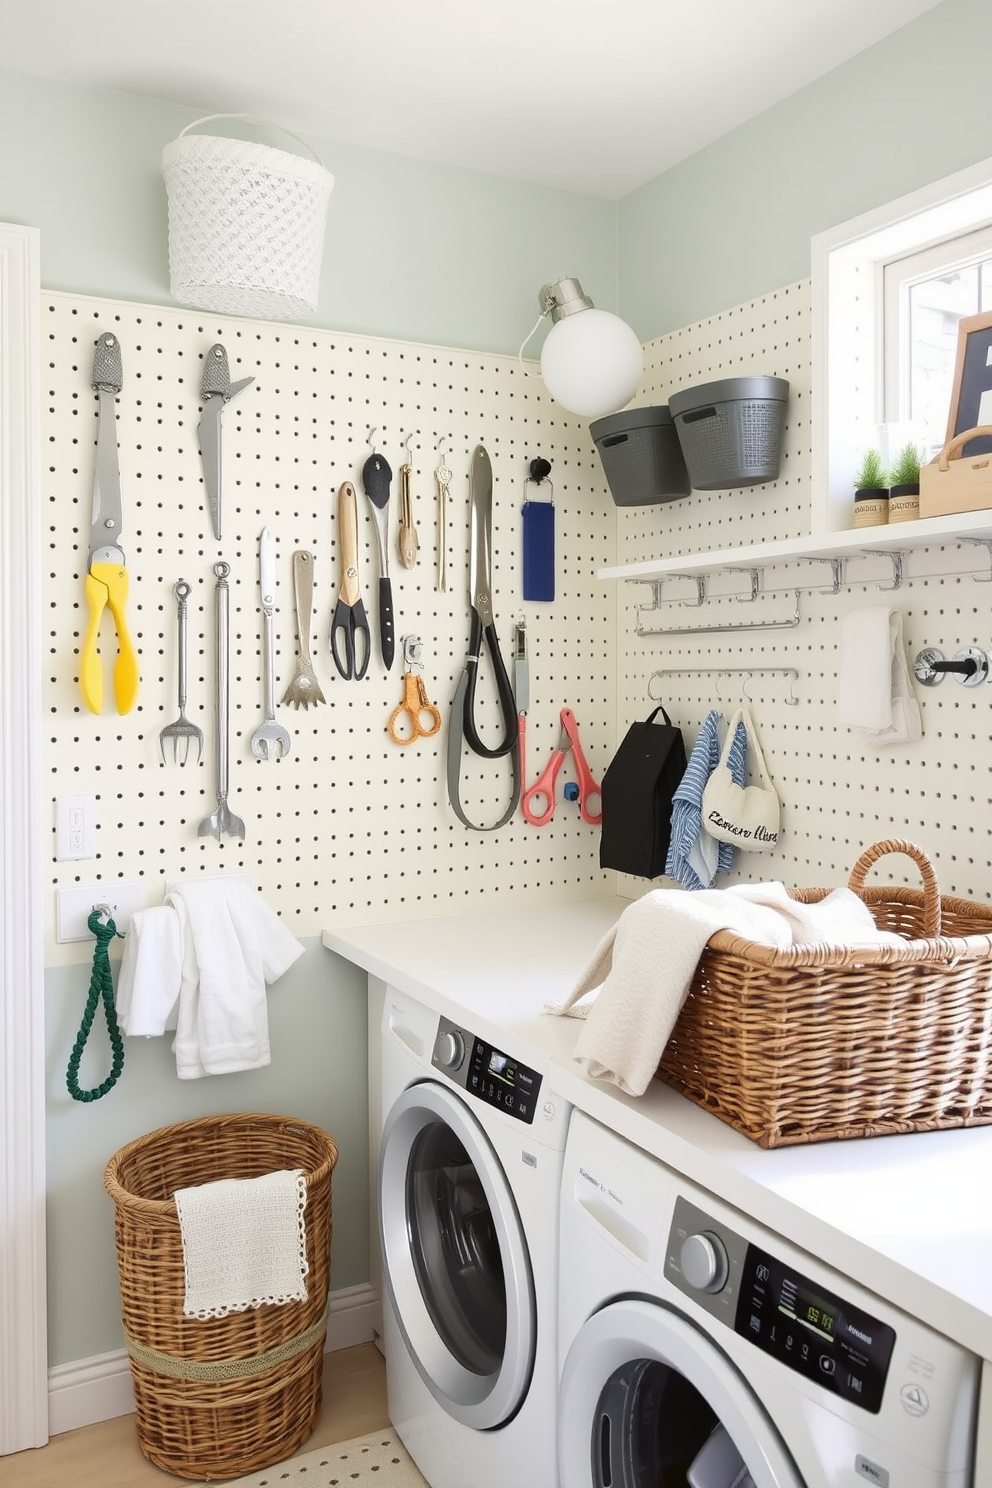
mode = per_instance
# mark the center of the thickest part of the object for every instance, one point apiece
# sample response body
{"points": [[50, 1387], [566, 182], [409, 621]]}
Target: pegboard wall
{"points": [[350, 826], [837, 795]]}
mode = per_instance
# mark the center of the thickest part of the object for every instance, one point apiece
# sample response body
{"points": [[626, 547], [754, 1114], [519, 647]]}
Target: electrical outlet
{"points": [[75, 906], [75, 827]]}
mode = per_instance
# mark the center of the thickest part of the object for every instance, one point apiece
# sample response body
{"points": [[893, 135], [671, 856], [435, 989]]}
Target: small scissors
{"points": [[545, 786], [349, 612], [415, 702]]}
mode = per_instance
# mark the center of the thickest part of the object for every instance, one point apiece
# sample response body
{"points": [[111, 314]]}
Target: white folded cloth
{"points": [[233, 944], [147, 997], [644, 966], [244, 1243], [874, 695]]}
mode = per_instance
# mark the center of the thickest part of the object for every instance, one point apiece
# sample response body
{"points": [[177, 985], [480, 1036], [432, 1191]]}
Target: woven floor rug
{"points": [[378, 1460]]}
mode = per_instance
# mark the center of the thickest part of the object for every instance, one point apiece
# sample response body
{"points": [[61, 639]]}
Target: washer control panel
{"points": [[482, 1070], [782, 1312]]}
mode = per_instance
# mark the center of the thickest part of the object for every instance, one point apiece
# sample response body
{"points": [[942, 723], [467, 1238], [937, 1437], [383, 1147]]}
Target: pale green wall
{"points": [[413, 251], [317, 1028], [735, 220]]}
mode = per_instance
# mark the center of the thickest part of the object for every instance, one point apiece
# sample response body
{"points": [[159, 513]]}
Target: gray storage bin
{"points": [[641, 456], [731, 431]]}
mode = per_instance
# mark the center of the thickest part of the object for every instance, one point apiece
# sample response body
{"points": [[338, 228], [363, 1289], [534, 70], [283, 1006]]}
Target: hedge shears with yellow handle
{"points": [[106, 581]]}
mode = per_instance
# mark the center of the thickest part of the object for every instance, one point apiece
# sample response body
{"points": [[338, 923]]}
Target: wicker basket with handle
{"points": [[815, 1042], [220, 1397]]}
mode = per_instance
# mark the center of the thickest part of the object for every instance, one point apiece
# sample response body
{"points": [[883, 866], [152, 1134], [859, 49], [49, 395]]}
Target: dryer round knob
{"points": [[449, 1050], [704, 1263]]}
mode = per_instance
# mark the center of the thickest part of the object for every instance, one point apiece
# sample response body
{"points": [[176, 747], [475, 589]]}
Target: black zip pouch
{"points": [[637, 796]]}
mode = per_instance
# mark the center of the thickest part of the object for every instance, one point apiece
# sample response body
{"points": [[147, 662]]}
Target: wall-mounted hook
{"points": [[895, 557], [700, 582], [836, 573], [406, 446], [755, 584], [370, 439], [986, 543], [655, 587]]}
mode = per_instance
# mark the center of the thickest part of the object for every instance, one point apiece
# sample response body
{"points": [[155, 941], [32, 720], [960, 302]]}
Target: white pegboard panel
{"points": [[350, 827], [837, 795]]}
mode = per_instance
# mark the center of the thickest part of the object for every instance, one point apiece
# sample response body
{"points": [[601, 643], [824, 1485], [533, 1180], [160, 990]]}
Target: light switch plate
{"points": [[76, 904]]}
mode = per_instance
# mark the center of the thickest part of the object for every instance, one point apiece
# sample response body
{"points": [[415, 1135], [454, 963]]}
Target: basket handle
{"points": [[931, 891], [266, 124], [944, 458]]}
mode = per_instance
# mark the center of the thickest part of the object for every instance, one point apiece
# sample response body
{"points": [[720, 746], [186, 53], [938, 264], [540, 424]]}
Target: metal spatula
{"points": [[223, 822]]}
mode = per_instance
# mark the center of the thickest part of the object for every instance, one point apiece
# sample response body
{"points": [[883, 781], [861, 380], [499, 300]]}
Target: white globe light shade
{"points": [[592, 362]]}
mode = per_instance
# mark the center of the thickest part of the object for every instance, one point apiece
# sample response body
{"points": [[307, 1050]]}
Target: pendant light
{"points": [[591, 362]]}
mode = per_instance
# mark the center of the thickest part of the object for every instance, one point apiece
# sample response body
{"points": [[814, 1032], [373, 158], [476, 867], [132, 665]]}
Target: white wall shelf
{"points": [[901, 536]]}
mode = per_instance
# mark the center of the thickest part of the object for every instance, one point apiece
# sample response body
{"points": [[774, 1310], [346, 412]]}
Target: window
{"points": [[888, 291], [925, 296]]}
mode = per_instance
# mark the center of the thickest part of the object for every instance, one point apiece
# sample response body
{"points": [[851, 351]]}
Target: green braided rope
{"points": [[101, 985]]}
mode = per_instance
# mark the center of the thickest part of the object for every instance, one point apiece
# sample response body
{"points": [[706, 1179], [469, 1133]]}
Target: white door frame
{"points": [[23, 1335]]}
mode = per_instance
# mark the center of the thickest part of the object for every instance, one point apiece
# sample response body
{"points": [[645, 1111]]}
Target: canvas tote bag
{"points": [[746, 815]]}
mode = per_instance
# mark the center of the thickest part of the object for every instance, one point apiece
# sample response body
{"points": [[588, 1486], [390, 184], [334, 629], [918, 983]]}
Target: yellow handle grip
{"points": [[106, 586]]}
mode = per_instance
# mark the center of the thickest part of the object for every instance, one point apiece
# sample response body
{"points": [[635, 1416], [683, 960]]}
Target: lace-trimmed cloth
{"points": [[244, 1243]]}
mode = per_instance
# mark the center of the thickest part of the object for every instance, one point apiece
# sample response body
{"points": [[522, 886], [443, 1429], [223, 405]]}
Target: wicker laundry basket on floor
{"points": [[224, 1396], [814, 1042]]}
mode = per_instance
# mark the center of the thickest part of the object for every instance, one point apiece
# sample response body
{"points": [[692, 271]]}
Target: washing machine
{"points": [[700, 1349], [470, 1165]]}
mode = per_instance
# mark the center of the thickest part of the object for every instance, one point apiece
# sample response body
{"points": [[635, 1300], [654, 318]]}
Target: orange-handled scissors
{"points": [[416, 705], [106, 581], [568, 740]]}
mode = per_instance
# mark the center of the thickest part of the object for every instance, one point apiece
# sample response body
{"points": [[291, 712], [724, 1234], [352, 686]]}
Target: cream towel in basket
{"points": [[244, 1243], [644, 966]]}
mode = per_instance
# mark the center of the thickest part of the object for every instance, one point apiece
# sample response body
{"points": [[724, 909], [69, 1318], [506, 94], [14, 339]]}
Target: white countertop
{"points": [[908, 1217]]}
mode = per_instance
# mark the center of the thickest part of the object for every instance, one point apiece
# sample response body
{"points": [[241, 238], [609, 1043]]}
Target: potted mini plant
{"points": [[904, 490], [871, 491]]}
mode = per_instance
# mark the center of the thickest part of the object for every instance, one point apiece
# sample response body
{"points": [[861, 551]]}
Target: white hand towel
{"points": [[874, 695], [840, 918], [233, 945], [148, 983], [244, 1243]]}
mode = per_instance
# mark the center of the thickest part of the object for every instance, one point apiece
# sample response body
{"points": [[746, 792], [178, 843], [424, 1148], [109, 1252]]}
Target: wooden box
{"points": [[960, 484]]}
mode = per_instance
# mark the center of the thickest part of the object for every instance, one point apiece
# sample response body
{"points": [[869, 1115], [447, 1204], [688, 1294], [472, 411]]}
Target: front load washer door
{"points": [[455, 1258], [649, 1401]]}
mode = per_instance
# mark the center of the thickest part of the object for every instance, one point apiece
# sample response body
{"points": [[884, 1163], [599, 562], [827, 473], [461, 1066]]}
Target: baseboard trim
{"points": [[99, 1388]]}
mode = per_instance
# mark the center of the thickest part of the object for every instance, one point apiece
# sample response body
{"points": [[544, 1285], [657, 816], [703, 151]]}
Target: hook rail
{"points": [[790, 672], [686, 630]]}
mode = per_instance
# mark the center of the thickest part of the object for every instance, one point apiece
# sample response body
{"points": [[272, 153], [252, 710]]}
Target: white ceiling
{"points": [[594, 96]]}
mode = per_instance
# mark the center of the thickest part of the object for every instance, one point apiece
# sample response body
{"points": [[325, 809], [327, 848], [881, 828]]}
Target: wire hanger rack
{"points": [[747, 672]]}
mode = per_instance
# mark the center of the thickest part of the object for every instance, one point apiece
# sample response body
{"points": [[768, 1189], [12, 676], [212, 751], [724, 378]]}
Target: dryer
{"points": [[470, 1164], [700, 1349]]}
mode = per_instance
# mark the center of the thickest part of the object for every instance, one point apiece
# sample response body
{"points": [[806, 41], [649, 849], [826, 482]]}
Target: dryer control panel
{"points": [[482, 1070], [778, 1309]]}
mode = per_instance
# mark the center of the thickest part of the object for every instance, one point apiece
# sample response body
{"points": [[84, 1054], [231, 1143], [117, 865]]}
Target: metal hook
{"points": [[836, 571], [986, 543], [406, 446], [439, 447], [895, 557], [755, 584], [370, 434], [700, 582]]}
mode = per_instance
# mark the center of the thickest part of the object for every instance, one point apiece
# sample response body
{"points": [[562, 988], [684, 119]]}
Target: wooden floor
{"points": [[107, 1455]]}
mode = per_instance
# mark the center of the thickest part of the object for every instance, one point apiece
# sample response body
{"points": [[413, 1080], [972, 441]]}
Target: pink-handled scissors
{"points": [[568, 740]]}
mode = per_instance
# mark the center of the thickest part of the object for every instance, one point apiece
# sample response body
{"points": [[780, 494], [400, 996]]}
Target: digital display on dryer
{"points": [[503, 1082], [812, 1331]]}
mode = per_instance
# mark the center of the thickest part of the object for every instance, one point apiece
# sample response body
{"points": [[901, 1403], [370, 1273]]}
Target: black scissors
{"points": [[481, 599], [349, 612]]}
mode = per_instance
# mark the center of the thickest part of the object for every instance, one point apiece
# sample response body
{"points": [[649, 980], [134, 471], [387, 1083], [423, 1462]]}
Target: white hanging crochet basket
{"points": [[246, 223]]}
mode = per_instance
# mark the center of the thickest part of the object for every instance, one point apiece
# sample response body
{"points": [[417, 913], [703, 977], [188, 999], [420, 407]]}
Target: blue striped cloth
{"points": [[694, 858]]}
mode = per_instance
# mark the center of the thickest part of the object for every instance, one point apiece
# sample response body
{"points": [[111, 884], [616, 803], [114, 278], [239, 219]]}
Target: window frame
{"points": [[848, 263]]}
